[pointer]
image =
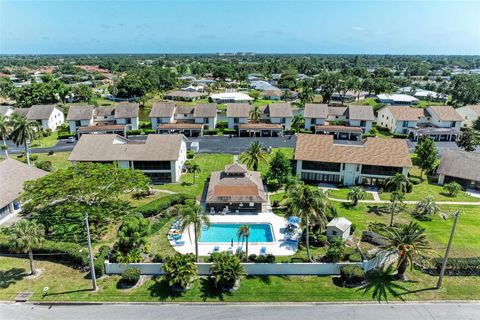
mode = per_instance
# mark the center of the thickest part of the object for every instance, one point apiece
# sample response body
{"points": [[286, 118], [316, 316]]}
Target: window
{"points": [[405, 124], [151, 165], [363, 123], [321, 166], [334, 233], [381, 170], [128, 120], [78, 123], [159, 177]]}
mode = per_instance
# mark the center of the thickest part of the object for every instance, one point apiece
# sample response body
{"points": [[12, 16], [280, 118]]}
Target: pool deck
{"points": [[279, 247]]}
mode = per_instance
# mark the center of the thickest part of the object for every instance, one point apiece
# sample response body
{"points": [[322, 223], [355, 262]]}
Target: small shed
{"points": [[339, 227]]}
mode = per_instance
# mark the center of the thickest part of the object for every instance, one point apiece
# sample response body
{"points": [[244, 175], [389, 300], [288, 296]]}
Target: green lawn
{"points": [[343, 194], [59, 159], [262, 102], [46, 142], [208, 163], [68, 284], [424, 103]]}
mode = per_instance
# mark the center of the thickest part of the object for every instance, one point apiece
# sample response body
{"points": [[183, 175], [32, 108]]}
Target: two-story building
{"points": [[460, 166], [469, 114], [320, 158], [279, 113], [441, 123], [83, 119], [48, 116], [160, 157], [167, 117], [237, 113]]}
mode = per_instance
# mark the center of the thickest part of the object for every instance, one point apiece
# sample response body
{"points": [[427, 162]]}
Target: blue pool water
{"points": [[225, 232]]}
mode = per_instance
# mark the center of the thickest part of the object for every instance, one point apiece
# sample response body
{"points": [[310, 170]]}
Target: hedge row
{"points": [[456, 267], [99, 262], [65, 135], [158, 205]]}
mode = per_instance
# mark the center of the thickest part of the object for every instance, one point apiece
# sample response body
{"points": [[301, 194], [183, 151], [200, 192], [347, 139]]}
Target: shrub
{"points": [[134, 132], [352, 275], [222, 125], [229, 131], [210, 132], [51, 152], [355, 257], [99, 262], [148, 131], [459, 266], [400, 136], [190, 154], [415, 181], [369, 135], [353, 227], [321, 240], [44, 165], [145, 125], [227, 270], [33, 157], [252, 258], [180, 270], [158, 205], [138, 194], [269, 258], [131, 276], [452, 188], [65, 135], [336, 251], [158, 258]]}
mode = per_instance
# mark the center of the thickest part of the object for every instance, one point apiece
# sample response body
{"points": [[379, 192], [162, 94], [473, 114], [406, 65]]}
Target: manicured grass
{"points": [[208, 163], [67, 284], [159, 243], [436, 191], [45, 142], [384, 134], [262, 102], [425, 104], [263, 167], [144, 200], [59, 159], [343, 194]]}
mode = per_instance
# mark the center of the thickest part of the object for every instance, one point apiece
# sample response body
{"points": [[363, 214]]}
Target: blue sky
{"points": [[393, 27]]}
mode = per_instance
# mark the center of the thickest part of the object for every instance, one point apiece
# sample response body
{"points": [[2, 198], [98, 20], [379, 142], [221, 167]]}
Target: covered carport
{"points": [[340, 132], [260, 129], [188, 129]]}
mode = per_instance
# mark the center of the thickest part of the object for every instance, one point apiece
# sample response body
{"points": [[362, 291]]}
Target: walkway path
{"points": [[408, 202]]}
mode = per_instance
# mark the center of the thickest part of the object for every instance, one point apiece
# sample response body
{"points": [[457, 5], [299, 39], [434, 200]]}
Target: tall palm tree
{"points": [[408, 242], [24, 131], [307, 95], [4, 132], [254, 155], [308, 204], [196, 216], [256, 114], [25, 236], [356, 194], [244, 232], [396, 204], [194, 168]]}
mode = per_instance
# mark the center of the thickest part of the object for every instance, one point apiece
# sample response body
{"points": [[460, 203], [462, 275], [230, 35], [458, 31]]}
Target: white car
{"points": [[71, 140]]}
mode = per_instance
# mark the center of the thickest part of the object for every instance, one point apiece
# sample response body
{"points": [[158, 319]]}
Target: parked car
{"points": [[71, 140]]}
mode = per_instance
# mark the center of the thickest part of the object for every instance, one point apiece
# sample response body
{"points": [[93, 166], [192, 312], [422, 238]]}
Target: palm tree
{"points": [[380, 280], [398, 182], [426, 207], [195, 215], [356, 194], [254, 155], [25, 236], [297, 122], [408, 242], [308, 204], [256, 113], [395, 205], [307, 95], [4, 132], [244, 232], [227, 270], [194, 168], [180, 270], [24, 131]]}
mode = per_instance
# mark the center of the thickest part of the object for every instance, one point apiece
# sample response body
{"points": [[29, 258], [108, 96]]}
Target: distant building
{"points": [[237, 113], [230, 97], [180, 95], [48, 116], [272, 94], [349, 96], [397, 99]]}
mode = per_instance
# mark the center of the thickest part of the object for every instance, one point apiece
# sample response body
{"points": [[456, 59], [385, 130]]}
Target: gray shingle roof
{"points": [[356, 112], [184, 110], [105, 111], [14, 174], [40, 111], [238, 110], [127, 110], [316, 111], [205, 110], [21, 111], [101, 147], [460, 164], [337, 111], [162, 110], [83, 112]]}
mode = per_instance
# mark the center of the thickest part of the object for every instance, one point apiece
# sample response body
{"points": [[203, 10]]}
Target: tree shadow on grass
{"points": [[160, 289], [209, 290], [378, 210], [68, 292], [11, 276]]}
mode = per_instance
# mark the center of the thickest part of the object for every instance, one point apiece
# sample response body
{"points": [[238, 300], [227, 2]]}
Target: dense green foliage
{"points": [[131, 243], [61, 199], [157, 206], [180, 270], [130, 276], [227, 270]]}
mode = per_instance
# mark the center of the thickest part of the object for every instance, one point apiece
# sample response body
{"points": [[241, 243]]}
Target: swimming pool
{"points": [[225, 232]]}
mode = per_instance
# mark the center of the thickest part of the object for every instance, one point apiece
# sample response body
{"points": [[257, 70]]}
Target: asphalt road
{"points": [[404, 311], [221, 144]]}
